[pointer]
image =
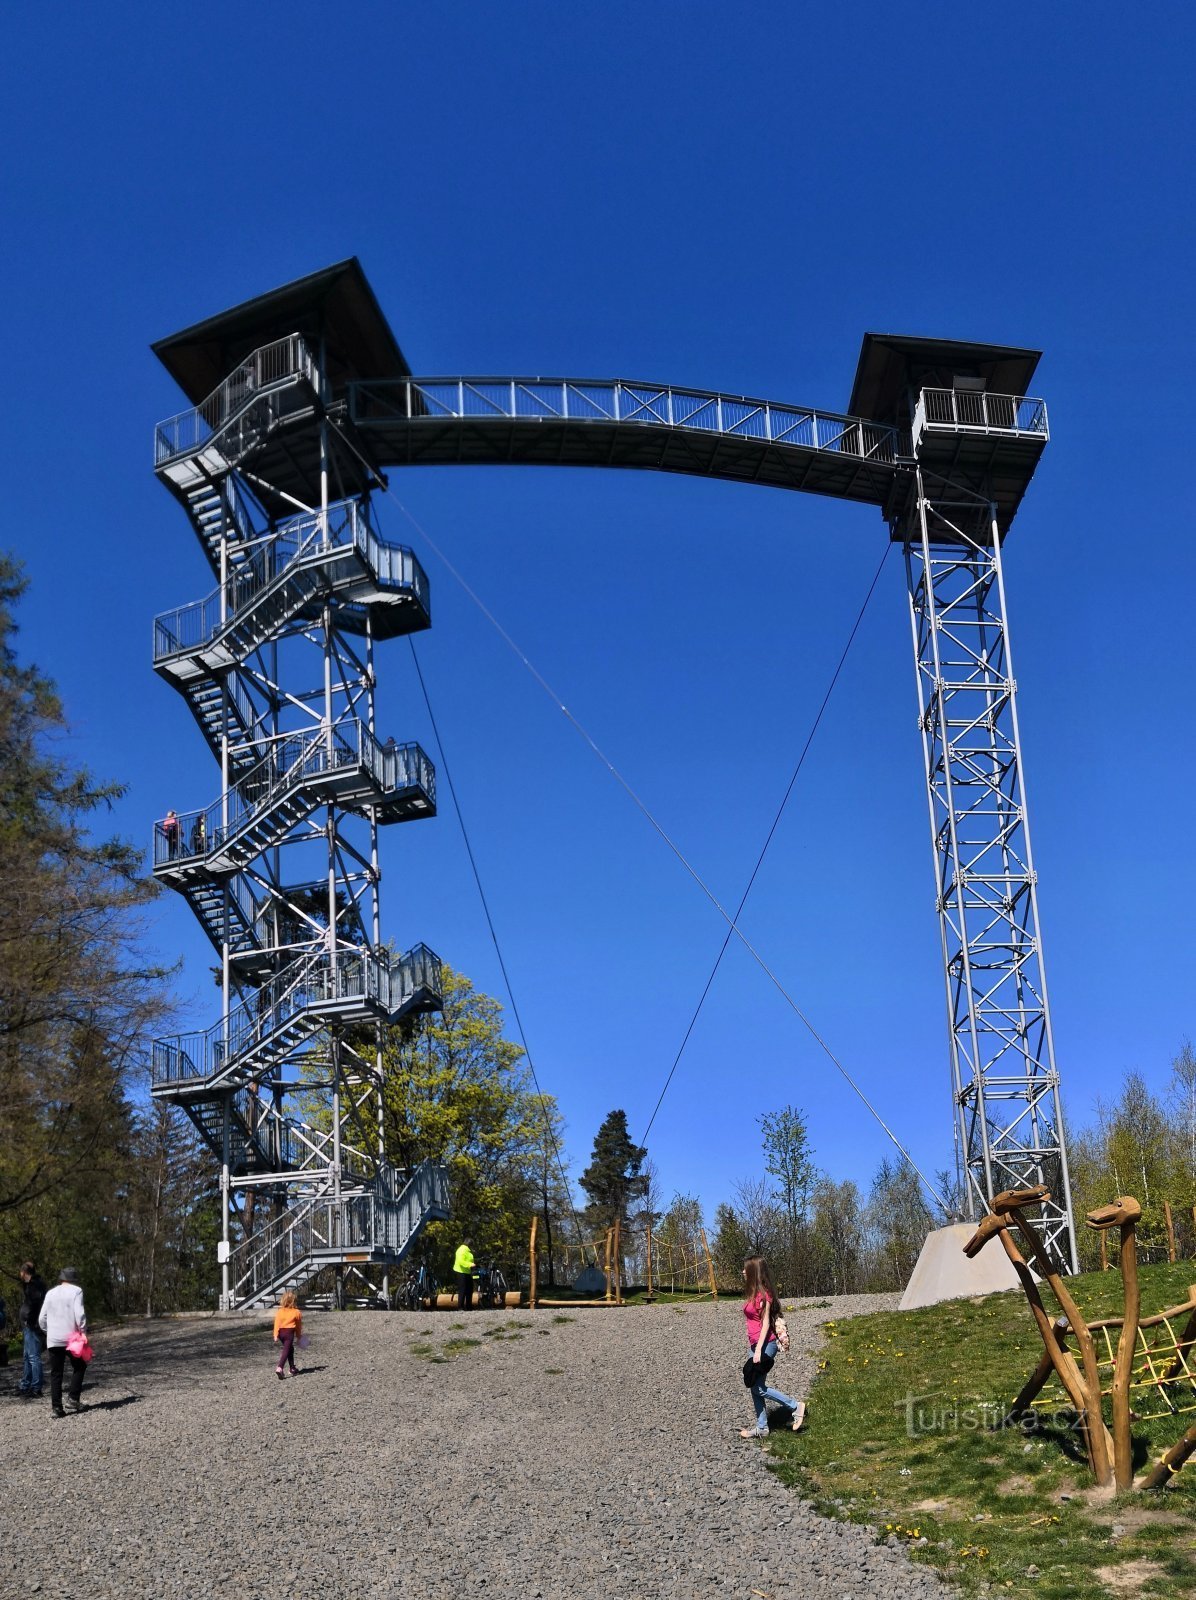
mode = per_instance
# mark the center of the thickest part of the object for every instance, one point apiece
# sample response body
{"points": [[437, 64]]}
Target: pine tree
{"points": [[614, 1177]]}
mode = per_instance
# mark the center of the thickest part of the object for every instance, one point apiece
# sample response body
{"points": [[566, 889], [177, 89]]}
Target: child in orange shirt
{"points": [[288, 1325]]}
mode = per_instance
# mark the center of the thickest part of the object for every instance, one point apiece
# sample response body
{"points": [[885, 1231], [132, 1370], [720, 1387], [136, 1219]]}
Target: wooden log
{"points": [[649, 1286], [606, 1263], [617, 1271], [531, 1293], [1170, 1221]]}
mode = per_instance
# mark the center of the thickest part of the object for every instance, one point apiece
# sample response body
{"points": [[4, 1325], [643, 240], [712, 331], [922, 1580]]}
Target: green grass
{"points": [[564, 1319], [457, 1347], [989, 1503]]}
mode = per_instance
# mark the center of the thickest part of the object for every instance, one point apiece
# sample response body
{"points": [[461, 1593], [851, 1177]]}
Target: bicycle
{"points": [[416, 1291], [492, 1289]]}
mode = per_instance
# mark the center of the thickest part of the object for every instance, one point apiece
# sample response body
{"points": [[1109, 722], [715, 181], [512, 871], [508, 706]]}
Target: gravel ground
{"points": [[378, 1473]]}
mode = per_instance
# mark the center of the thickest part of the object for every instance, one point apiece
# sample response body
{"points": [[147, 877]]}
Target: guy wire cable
{"points": [[673, 846], [477, 878], [805, 750]]}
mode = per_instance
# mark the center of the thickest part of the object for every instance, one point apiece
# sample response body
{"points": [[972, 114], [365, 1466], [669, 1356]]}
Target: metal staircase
{"points": [[378, 1226], [282, 869]]}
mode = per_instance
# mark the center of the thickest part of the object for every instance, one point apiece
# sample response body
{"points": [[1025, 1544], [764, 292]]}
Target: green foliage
{"points": [[455, 1090], [77, 997], [614, 1177], [789, 1159], [1142, 1146]]}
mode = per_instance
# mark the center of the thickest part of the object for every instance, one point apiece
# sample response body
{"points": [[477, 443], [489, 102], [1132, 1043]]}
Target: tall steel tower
{"points": [[277, 665], [973, 440]]}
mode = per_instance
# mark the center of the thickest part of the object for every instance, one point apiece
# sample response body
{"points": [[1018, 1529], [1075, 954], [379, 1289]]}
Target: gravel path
{"points": [[378, 1473]]}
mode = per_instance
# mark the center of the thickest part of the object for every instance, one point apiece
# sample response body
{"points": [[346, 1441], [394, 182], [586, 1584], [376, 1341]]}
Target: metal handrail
{"points": [[374, 1219], [313, 984], [306, 986], [299, 540], [639, 404], [291, 762], [976, 410], [280, 362]]}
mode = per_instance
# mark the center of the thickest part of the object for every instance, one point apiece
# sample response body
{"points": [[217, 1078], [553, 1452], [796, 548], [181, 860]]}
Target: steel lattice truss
{"points": [[1005, 1084]]}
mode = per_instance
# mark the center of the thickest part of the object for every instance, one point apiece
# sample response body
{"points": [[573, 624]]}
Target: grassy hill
{"points": [[903, 1435]]}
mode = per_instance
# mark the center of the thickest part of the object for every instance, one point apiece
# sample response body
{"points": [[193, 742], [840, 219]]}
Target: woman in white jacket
{"points": [[61, 1314]]}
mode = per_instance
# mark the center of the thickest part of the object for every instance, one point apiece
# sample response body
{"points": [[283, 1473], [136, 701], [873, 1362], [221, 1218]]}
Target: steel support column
{"points": [[1005, 1086]]}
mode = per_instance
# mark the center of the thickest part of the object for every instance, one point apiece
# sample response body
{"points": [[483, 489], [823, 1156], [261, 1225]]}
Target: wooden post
{"points": [[616, 1262], [1100, 1443], [606, 1259], [649, 1295], [1170, 1221], [710, 1265], [531, 1293], [1123, 1446], [1104, 1252]]}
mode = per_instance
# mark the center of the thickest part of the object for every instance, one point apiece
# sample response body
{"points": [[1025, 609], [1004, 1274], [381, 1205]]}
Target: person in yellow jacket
{"points": [[288, 1326], [463, 1271]]}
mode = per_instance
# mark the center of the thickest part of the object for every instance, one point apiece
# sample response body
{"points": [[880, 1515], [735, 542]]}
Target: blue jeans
{"points": [[31, 1372], [760, 1392]]}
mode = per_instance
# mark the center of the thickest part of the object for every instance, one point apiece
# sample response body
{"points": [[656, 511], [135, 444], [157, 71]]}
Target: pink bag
{"points": [[78, 1346]]}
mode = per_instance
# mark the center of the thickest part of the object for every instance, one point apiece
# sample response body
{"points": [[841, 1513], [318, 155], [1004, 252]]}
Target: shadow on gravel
{"points": [[188, 1354], [305, 1372], [111, 1405]]}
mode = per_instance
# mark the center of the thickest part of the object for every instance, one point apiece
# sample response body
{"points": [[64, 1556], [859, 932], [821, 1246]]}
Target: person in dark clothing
{"points": [[31, 1306]]}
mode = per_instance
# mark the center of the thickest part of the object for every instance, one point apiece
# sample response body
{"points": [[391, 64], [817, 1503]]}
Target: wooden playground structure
{"points": [[665, 1261], [1145, 1366]]}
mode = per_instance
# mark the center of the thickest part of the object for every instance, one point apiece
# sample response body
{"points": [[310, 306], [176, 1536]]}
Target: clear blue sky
{"points": [[724, 197]]}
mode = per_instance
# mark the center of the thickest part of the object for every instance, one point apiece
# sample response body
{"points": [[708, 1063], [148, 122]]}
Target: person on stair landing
{"points": [[760, 1312], [288, 1326]]}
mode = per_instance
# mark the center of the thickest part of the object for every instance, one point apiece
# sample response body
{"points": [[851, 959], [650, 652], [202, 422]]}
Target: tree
{"points": [[77, 997], [789, 1159], [731, 1245], [614, 1177], [455, 1090], [837, 1233], [1183, 1099], [897, 1221], [554, 1202]]}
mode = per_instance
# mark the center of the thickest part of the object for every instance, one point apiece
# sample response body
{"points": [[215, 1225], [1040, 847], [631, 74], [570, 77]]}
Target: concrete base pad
{"points": [[943, 1271]]}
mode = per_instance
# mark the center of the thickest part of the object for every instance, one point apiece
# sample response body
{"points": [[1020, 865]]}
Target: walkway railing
{"points": [[976, 411], [289, 765], [299, 540], [281, 362], [645, 405], [305, 991], [306, 988]]}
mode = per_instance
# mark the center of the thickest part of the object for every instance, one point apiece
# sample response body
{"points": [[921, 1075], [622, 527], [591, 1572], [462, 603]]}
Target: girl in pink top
{"points": [[760, 1310]]}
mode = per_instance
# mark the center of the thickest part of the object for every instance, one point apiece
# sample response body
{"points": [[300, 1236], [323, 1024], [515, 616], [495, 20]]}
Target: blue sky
{"points": [[704, 196]]}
